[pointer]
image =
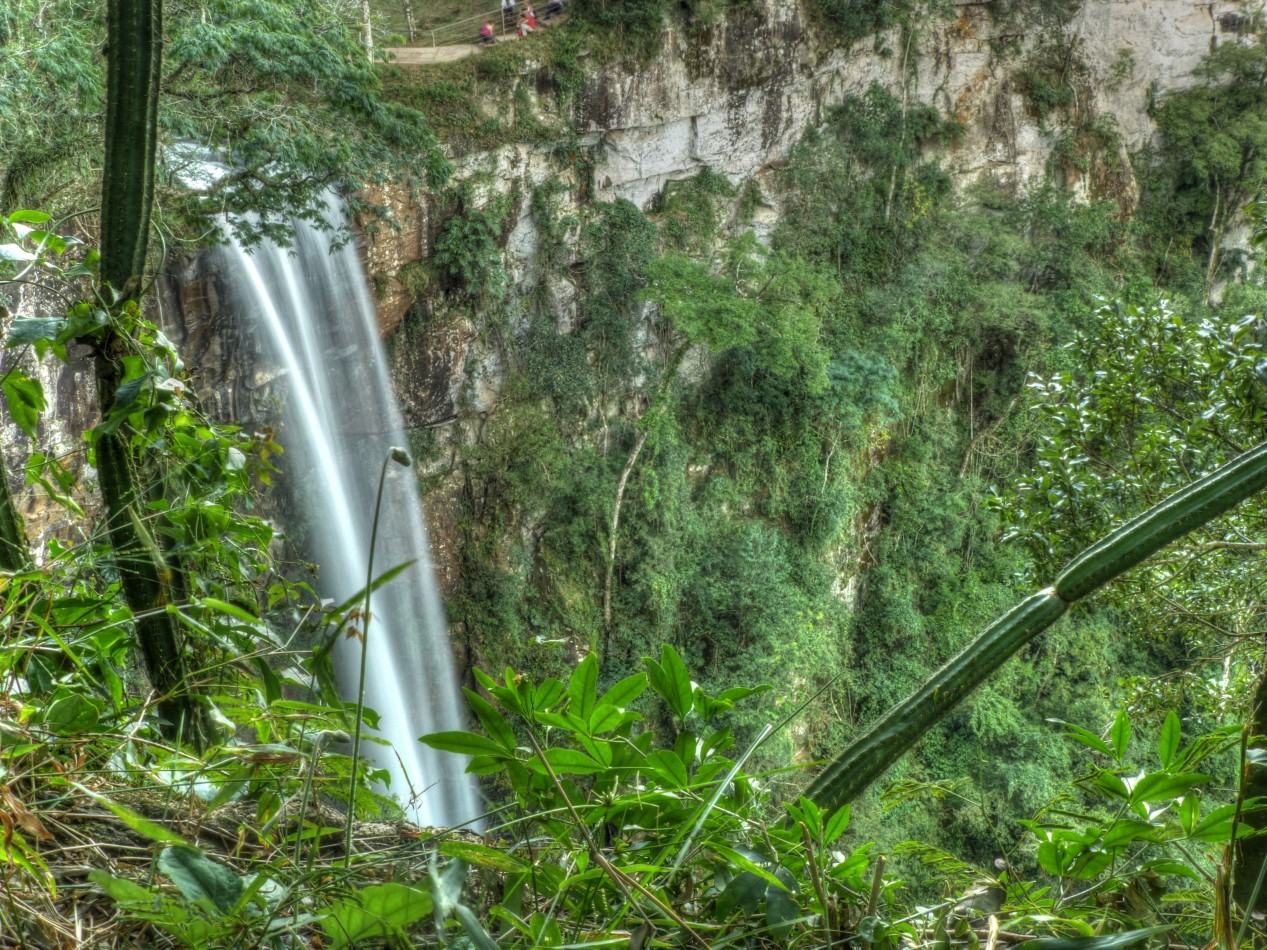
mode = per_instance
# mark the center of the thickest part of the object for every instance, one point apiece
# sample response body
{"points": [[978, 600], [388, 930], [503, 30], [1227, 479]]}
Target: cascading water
{"points": [[340, 421]]}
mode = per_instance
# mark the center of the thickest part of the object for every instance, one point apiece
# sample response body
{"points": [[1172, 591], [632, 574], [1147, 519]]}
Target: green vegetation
{"points": [[731, 501]]}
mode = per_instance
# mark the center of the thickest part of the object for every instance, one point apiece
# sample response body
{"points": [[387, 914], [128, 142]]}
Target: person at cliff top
{"points": [[508, 14], [553, 8], [527, 23], [486, 33]]}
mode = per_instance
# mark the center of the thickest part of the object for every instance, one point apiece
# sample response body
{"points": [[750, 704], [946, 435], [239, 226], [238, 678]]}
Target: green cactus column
{"points": [[134, 49], [886, 740]]}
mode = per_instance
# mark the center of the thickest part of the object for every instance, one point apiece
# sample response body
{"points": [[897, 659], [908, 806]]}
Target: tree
{"points": [[1157, 397], [280, 91], [1214, 137]]}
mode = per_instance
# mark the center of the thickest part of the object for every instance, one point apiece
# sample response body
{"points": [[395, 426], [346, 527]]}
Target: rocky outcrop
{"points": [[735, 96]]}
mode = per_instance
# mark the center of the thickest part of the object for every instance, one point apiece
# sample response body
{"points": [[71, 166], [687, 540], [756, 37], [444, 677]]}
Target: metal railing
{"points": [[467, 30]]}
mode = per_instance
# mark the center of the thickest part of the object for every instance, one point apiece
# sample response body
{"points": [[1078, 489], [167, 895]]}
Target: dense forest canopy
{"points": [[760, 455]]}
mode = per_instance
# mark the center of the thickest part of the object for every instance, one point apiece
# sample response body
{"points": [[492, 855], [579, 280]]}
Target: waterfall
{"points": [[316, 320]]}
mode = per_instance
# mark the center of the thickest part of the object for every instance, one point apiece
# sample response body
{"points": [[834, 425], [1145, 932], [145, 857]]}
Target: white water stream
{"points": [[340, 420]]}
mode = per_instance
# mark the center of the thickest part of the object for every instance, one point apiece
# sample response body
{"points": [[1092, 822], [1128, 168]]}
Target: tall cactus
{"points": [[134, 45], [898, 729]]}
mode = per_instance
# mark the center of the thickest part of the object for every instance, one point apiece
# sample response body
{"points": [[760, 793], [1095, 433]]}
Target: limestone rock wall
{"points": [[736, 96]]}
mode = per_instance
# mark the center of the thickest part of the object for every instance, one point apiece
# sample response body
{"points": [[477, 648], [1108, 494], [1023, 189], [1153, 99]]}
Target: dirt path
{"points": [[426, 55]]}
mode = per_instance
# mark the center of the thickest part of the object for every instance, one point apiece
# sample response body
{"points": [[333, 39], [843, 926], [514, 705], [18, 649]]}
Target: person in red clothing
{"points": [[527, 22]]}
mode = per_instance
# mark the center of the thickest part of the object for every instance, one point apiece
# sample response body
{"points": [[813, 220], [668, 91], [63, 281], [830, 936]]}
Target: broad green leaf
{"points": [[1216, 827], [25, 398], [1111, 942], [744, 891], [671, 681], [27, 216], [607, 718], [377, 911], [1111, 783], [1120, 736], [1168, 739], [121, 890], [837, 824], [1165, 786], [463, 743], [568, 761], [492, 721], [583, 688], [29, 329], [200, 878], [1190, 811], [744, 863], [228, 609], [73, 714], [624, 692], [781, 909], [669, 767]]}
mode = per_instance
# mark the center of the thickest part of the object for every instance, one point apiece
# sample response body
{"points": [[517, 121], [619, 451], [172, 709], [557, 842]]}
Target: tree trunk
{"points": [[657, 403], [15, 554], [134, 49], [409, 20]]}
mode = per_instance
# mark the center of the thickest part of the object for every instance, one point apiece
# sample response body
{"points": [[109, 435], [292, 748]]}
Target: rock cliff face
{"points": [[734, 97]]}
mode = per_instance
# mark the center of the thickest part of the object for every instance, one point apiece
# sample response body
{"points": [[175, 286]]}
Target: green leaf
{"points": [[377, 911], [745, 891], [30, 329], [1112, 942], [1165, 786], [670, 680], [228, 609], [1085, 736], [479, 855], [474, 929], [200, 878], [1121, 734], [25, 397], [492, 721], [583, 688], [29, 217], [669, 767], [1112, 784], [624, 692], [120, 889], [1168, 740], [836, 824], [565, 761], [781, 909], [142, 826], [463, 743], [73, 714]]}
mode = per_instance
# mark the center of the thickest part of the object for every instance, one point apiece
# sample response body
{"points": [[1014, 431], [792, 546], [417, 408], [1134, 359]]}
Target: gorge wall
{"points": [[734, 97]]}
